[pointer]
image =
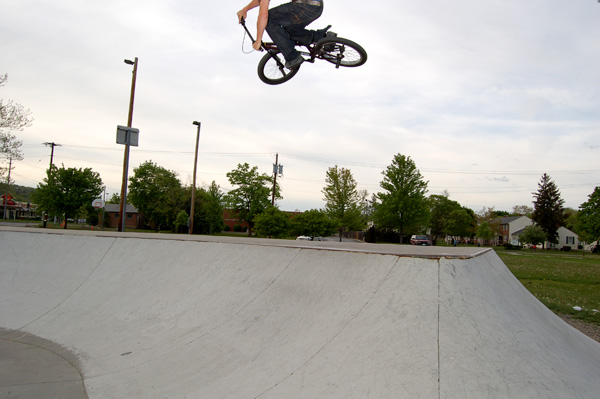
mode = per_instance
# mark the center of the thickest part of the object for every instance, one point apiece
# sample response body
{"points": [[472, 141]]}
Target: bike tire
{"points": [[270, 71], [341, 52]]}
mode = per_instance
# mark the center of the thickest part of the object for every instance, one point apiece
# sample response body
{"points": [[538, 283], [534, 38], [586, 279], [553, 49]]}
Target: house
{"points": [[15, 209], [508, 225], [511, 227], [133, 219], [566, 238], [231, 221]]}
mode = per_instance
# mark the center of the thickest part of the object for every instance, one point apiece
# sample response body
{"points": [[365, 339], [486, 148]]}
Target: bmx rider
{"points": [[284, 22]]}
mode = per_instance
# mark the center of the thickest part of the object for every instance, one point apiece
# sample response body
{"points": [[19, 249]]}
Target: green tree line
{"points": [[402, 206]]}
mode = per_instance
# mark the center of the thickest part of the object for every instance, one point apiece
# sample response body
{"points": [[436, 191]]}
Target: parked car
{"points": [[593, 247], [420, 240], [310, 238]]}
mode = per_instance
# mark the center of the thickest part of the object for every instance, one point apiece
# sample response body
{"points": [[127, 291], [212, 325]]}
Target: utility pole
{"points": [[7, 189], [47, 144], [123, 204], [191, 229], [53, 144], [277, 169]]}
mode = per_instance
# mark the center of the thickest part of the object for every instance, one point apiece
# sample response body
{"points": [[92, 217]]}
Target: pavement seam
{"points": [[438, 328], [334, 336], [75, 290]]}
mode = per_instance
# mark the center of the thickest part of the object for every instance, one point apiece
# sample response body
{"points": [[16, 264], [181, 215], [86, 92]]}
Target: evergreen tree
{"points": [[548, 210]]}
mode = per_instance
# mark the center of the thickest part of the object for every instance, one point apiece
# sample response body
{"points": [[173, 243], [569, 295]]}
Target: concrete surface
{"points": [[165, 316]]}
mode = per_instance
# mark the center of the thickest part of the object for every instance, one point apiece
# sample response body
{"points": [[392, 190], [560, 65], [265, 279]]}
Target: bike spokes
{"points": [[272, 70], [341, 52]]}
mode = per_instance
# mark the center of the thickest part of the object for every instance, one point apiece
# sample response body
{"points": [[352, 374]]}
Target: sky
{"points": [[483, 96]]}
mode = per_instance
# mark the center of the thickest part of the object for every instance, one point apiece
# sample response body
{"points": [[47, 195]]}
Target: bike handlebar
{"points": [[243, 23]]}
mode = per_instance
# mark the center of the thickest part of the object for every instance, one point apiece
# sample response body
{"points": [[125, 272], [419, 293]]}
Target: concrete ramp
{"points": [[204, 317]]}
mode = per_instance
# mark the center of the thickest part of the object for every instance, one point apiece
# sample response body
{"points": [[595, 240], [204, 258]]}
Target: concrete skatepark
{"points": [[107, 315]]}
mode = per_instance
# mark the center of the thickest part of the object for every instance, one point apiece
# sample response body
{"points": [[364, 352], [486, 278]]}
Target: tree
{"points": [[208, 210], [440, 208], [272, 222], [403, 204], [114, 199], [548, 208], [313, 223], [448, 217], [588, 217], [489, 216], [252, 193], [12, 117], [213, 208], [570, 218], [181, 220], [461, 222], [533, 235], [342, 200], [522, 210], [157, 193], [65, 192], [484, 232]]}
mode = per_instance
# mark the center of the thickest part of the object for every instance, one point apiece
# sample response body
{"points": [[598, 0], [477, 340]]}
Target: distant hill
{"points": [[21, 193]]}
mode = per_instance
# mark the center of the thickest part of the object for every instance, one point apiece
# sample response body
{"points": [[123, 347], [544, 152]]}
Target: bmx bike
{"points": [[336, 50]]}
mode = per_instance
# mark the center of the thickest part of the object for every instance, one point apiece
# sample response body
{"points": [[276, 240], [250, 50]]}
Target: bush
{"points": [[508, 245], [566, 248], [237, 228]]}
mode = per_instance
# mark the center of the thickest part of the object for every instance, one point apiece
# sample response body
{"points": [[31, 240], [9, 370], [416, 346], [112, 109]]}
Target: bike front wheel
{"points": [[341, 52], [272, 70]]}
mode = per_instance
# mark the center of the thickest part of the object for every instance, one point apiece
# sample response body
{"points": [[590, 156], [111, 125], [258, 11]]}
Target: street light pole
{"points": [[191, 229], [123, 203]]}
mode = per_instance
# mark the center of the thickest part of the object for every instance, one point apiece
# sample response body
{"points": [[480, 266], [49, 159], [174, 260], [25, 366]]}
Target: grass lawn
{"points": [[560, 280]]}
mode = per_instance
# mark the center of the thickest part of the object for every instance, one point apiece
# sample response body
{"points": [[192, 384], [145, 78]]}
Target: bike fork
{"points": [[339, 58], [280, 64]]}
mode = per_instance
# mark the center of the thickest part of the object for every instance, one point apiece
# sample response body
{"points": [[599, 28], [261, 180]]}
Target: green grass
{"points": [[559, 280]]}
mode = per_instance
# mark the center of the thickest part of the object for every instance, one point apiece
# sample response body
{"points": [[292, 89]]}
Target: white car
{"points": [[304, 238]]}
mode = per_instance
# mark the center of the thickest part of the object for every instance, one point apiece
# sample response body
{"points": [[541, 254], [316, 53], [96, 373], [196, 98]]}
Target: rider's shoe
{"points": [[322, 33], [294, 63]]}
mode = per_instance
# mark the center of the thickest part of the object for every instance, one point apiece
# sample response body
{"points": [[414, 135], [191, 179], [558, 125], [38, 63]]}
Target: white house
{"points": [[566, 238], [506, 226], [511, 227]]}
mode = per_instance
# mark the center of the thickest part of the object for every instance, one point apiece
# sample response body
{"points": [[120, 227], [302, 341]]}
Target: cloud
{"points": [[463, 88]]}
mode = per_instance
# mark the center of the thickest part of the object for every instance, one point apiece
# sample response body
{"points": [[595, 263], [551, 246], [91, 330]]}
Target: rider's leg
{"points": [[289, 20]]}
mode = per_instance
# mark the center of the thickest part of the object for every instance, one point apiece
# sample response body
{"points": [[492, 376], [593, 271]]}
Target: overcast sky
{"points": [[484, 96]]}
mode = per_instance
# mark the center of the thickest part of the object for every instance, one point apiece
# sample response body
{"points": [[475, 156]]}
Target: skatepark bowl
{"points": [[122, 315]]}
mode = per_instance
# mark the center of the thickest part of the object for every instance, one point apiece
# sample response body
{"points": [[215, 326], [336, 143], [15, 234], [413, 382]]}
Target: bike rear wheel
{"points": [[341, 52], [272, 71]]}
